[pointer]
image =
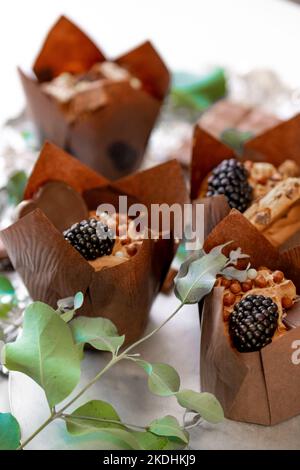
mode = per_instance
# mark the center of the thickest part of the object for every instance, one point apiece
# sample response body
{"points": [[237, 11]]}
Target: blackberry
{"points": [[91, 238], [253, 322], [230, 178]]}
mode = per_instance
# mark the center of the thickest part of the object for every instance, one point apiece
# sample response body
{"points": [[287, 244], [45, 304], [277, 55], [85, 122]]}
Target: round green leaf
{"points": [[92, 417], [197, 276], [78, 300], [100, 333], [123, 439], [6, 287], [203, 403], [149, 441], [169, 426], [163, 380], [46, 352], [10, 433]]}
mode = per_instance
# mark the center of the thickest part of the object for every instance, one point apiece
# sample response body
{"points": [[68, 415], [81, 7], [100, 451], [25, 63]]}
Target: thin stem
{"points": [[43, 426], [113, 361], [99, 420], [149, 335]]}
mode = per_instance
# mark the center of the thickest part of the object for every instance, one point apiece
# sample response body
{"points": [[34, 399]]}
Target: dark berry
{"points": [[91, 238], [230, 178], [253, 322]]}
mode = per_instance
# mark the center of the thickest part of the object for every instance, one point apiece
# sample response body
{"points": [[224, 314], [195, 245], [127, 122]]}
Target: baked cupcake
{"points": [[80, 100], [62, 244], [266, 191]]}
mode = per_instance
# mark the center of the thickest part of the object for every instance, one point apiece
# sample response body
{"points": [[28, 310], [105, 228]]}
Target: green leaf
{"points": [[197, 276], [147, 366], [78, 300], [203, 403], [170, 427], [6, 287], [100, 333], [198, 92], [149, 441], [46, 352], [67, 316], [163, 380], [16, 186], [10, 434], [69, 305], [120, 437], [92, 417]]}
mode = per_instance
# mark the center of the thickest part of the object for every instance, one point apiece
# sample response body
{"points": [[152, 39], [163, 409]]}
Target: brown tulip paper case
{"points": [[111, 139], [279, 143], [274, 146], [52, 269], [259, 387]]}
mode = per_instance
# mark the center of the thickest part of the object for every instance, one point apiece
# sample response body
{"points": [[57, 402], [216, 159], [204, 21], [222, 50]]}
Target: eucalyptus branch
{"points": [[115, 359]]}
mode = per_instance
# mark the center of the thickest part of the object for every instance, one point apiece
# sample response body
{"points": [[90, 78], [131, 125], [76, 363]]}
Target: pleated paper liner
{"points": [[259, 387], [277, 144], [51, 269], [111, 139]]}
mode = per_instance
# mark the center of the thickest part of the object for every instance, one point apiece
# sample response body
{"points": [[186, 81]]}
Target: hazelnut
{"points": [[278, 276], [247, 285], [132, 248], [225, 282], [228, 299], [286, 302], [235, 287], [260, 281]]}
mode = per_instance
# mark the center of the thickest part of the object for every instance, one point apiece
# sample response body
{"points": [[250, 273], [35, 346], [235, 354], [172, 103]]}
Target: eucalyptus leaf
{"points": [[163, 380], [100, 333], [78, 300], [10, 433], [6, 287], [45, 352], [147, 366], [92, 417], [149, 441], [15, 187], [67, 316], [169, 426], [69, 305], [199, 276], [203, 403]]}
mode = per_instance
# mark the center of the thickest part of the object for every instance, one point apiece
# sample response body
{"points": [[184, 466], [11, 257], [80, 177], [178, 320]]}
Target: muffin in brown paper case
{"points": [[110, 134], [257, 387], [52, 269], [279, 151]]}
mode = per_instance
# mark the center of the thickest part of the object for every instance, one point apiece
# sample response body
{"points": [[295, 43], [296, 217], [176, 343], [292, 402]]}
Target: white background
{"points": [[241, 34]]}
